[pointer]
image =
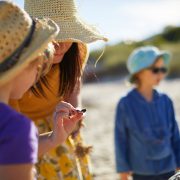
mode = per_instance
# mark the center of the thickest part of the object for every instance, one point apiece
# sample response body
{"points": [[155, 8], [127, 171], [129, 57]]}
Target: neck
{"points": [[146, 92], [5, 92]]}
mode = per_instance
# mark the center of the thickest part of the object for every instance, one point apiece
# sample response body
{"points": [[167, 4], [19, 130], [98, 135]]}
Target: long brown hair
{"points": [[70, 72]]}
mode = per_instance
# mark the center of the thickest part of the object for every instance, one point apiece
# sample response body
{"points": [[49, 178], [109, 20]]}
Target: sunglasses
{"points": [[157, 70]]}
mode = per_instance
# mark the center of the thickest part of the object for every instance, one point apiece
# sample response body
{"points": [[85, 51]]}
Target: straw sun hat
{"points": [[21, 39], [65, 14]]}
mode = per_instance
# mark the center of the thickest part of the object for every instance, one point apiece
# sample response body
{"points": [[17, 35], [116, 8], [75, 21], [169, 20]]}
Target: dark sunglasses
{"points": [[157, 70]]}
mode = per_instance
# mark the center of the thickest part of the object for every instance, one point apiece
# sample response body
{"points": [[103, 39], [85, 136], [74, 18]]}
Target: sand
{"points": [[101, 99]]}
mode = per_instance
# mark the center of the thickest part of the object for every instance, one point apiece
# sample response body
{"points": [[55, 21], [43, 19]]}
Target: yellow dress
{"points": [[60, 163]]}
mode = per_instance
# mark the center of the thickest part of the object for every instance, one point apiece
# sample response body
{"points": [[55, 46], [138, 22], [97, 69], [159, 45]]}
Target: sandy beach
{"points": [[101, 99]]}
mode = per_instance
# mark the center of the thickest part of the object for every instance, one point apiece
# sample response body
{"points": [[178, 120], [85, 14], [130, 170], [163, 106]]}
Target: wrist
{"points": [[56, 140], [52, 140]]}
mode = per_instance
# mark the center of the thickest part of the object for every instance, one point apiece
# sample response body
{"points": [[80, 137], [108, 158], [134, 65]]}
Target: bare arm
{"points": [[20, 172], [45, 143]]}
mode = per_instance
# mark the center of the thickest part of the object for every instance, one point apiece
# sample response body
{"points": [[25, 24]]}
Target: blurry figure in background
{"points": [[63, 81], [147, 140]]}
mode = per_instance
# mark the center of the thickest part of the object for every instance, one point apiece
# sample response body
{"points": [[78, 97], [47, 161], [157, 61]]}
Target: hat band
{"points": [[13, 59]]}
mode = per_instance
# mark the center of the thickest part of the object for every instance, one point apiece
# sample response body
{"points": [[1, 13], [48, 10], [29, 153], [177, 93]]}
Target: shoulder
{"points": [[11, 118], [18, 137], [163, 97], [124, 100], [126, 97]]}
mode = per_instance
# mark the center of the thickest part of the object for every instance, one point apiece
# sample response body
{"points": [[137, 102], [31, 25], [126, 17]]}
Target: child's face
{"points": [[154, 75], [23, 81]]}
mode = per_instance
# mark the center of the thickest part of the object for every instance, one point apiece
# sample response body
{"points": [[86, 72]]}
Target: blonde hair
{"points": [[47, 60]]}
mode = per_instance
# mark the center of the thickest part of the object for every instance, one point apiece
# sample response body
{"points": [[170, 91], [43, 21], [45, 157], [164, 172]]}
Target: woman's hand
{"points": [[65, 121]]}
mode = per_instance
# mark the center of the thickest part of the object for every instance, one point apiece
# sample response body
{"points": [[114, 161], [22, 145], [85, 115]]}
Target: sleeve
{"points": [[120, 138], [18, 142], [175, 135]]}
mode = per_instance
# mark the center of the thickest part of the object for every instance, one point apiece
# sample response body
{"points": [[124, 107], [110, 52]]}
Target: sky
{"points": [[122, 20]]}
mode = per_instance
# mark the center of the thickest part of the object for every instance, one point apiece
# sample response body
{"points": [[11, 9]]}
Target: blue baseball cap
{"points": [[144, 57]]}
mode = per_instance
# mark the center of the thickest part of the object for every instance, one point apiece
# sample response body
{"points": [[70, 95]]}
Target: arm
{"points": [[45, 143], [20, 172], [121, 155], [65, 120]]}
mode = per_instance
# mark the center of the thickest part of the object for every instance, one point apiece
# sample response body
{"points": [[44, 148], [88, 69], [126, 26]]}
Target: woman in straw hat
{"points": [[25, 53], [147, 139], [61, 83]]}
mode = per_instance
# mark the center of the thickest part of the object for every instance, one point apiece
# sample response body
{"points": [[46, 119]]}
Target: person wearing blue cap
{"points": [[147, 139]]}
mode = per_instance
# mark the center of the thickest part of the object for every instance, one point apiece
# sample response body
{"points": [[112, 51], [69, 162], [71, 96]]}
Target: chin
{"points": [[16, 96], [57, 59]]}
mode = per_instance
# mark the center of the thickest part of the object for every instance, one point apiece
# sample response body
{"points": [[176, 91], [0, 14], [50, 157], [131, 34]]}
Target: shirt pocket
{"points": [[158, 143]]}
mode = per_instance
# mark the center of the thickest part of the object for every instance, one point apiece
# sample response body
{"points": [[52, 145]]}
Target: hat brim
{"points": [[76, 30], [166, 57], [46, 30]]}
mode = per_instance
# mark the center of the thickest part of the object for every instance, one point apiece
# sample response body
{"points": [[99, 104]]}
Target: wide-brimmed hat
{"points": [[65, 14], [21, 39], [144, 57]]}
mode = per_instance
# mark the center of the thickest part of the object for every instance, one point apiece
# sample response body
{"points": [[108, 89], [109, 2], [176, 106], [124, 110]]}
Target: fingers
{"points": [[62, 114], [68, 108], [65, 110], [74, 116], [77, 117], [64, 106], [70, 115], [66, 118]]}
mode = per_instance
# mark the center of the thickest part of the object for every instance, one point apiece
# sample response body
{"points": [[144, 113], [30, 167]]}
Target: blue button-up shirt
{"points": [[147, 139]]}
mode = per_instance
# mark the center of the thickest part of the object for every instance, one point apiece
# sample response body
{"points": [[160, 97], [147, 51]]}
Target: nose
{"points": [[62, 46]]}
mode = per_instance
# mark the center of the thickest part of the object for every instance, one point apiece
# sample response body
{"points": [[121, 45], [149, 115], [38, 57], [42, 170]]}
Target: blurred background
{"points": [[128, 24]]}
